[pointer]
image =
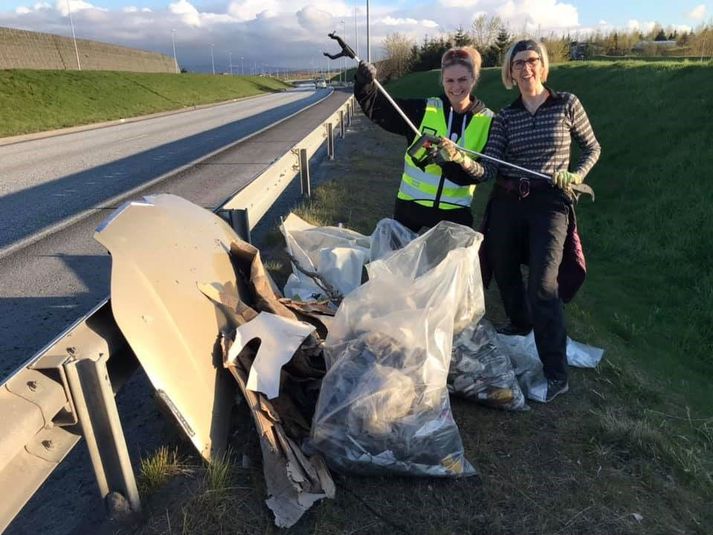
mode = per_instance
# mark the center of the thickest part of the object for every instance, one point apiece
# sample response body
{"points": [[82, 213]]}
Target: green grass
{"points": [[34, 101], [648, 297]]}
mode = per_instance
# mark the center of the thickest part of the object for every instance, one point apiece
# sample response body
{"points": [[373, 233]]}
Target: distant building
{"points": [[646, 45]]}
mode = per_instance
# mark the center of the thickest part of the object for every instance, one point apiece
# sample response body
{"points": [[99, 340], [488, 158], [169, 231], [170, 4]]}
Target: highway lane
{"points": [[46, 181]]}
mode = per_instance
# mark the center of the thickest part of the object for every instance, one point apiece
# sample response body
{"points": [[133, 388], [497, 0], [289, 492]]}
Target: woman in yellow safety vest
{"points": [[440, 190]]}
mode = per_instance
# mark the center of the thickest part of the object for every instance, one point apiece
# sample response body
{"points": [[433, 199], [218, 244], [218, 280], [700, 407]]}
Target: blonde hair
{"points": [[467, 56], [506, 69]]}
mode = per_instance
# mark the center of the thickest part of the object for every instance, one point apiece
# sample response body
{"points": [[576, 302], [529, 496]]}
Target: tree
{"points": [[661, 36], [460, 38], [494, 53], [430, 54], [484, 31], [398, 56]]}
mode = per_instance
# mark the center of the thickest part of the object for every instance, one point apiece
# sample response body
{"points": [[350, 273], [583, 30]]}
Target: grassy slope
{"points": [[649, 292], [33, 101]]}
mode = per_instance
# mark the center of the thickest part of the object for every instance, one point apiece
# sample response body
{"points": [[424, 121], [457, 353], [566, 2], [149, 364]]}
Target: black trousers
{"points": [[532, 231], [415, 216]]}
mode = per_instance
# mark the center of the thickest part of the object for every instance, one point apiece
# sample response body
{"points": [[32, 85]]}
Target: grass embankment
{"points": [[34, 101], [622, 452]]}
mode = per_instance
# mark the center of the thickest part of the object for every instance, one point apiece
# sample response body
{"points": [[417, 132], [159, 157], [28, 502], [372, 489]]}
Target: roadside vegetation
{"points": [[630, 448], [35, 101]]}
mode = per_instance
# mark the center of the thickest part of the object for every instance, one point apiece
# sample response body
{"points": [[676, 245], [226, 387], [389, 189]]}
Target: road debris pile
{"points": [[351, 374]]}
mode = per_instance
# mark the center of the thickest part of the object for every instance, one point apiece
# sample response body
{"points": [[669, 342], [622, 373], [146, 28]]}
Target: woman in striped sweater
{"points": [[529, 220]]}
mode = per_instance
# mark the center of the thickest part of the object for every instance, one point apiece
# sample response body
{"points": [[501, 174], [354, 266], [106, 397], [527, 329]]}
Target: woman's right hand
{"points": [[365, 73], [449, 152]]}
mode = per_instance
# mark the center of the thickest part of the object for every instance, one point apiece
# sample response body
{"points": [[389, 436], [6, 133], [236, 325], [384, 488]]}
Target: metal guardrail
{"points": [[66, 391]]}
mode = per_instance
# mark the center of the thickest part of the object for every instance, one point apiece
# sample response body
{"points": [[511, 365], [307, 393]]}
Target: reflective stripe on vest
{"points": [[421, 186]]}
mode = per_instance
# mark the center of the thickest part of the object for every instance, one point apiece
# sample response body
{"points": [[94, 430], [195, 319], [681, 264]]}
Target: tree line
{"points": [[491, 36]]}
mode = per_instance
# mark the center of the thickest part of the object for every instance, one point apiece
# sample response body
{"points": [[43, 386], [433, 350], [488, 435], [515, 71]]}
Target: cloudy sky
{"points": [[284, 34]]}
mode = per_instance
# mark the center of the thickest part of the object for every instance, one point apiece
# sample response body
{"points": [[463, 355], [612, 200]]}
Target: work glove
{"points": [[448, 152], [365, 73], [565, 179]]}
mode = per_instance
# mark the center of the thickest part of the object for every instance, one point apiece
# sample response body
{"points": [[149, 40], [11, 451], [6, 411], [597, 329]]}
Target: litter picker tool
{"points": [[424, 142]]}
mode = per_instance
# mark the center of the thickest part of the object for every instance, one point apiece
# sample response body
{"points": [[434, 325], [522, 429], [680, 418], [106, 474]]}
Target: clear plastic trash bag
{"points": [[389, 236], [481, 370], [384, 404]]}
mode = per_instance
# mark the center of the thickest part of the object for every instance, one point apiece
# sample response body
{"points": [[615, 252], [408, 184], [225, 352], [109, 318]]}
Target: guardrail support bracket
{"points": [[240, 222], [101, 428], [304, 173], [342, 128], [330, 141]]}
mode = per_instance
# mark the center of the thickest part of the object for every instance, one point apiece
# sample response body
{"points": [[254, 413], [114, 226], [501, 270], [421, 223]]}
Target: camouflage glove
{"points": [[365, 73], [564, 179], [448, 152]]}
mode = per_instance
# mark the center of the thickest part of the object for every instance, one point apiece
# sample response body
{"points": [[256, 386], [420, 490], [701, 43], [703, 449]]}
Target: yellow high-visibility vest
{"points": [[422, 185]]}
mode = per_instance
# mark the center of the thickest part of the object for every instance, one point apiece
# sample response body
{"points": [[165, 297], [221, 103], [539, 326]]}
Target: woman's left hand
{"points": [[564, 179]]}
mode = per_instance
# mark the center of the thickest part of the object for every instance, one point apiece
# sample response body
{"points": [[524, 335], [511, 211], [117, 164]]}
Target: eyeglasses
{"points": [[519, 64]]}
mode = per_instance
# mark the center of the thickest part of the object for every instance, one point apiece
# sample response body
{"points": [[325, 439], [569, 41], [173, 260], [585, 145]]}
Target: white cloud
{"points": [[22, 10], [643, 27], [244, 10], [187, 13], [539, 15], [603, 23], [458, 3], [75, 6], [698, 12], [315, 20]]}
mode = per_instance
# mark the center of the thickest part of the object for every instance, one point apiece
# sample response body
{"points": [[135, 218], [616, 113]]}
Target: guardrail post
{"points": [[330, 141], [99, 418], [240, 222], [351, 109], [304, 173], [349, 113], [341, 124]]}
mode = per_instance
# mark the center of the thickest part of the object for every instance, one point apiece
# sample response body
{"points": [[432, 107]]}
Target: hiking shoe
{"points": [[555, 387], [513, 330]]}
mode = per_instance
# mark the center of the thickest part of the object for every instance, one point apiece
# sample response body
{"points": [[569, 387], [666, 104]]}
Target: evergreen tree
{"points": [[460, 38], [494, 54]]}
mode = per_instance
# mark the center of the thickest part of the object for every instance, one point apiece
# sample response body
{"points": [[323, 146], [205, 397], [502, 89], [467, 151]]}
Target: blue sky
{"points": [[290, 34]]}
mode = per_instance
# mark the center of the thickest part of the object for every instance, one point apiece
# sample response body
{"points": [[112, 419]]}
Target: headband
{"points": [[527, 44]]}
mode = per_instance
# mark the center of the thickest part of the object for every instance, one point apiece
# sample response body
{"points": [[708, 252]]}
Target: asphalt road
{"points": [[51, 282], [46, 181]]}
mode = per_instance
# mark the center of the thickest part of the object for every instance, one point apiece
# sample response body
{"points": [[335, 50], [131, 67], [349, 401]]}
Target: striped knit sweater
{"points": [[540, 141]]}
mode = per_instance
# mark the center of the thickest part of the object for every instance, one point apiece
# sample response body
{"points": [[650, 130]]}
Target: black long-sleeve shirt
{"points": [[377, 108]]}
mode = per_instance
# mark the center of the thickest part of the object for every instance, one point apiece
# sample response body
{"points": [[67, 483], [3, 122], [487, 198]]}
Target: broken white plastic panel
{"points": [[162, 248], [279, 340], [528, 367]]}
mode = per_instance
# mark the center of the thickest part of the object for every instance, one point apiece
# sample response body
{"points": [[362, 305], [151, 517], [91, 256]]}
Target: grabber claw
{"points": [[346, 49]]}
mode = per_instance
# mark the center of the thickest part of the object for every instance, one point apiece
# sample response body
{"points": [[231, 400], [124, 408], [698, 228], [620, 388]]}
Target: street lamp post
{"points": [[242, 70], [212, 59], [368, 40], [74, 37], [173, 43], [230, 62], [344, 60]]}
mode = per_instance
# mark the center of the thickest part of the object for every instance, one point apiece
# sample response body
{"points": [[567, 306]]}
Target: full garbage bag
{"points": [[481, 369], [389, 236], [337, 255], [384, 404]]}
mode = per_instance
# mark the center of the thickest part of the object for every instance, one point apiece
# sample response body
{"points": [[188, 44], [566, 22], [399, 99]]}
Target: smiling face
{"points": [[458, 82], [527, 71]]}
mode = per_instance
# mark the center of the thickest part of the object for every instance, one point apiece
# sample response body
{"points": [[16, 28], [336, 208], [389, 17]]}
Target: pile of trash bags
{"points": [[403, 340]]}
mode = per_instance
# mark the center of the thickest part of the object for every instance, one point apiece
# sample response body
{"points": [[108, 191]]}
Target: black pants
{"points": [[532, 231], [415, 216]]}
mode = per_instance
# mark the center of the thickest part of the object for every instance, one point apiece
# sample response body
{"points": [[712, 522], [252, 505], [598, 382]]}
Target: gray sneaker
{"points": [[555, 387]]}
